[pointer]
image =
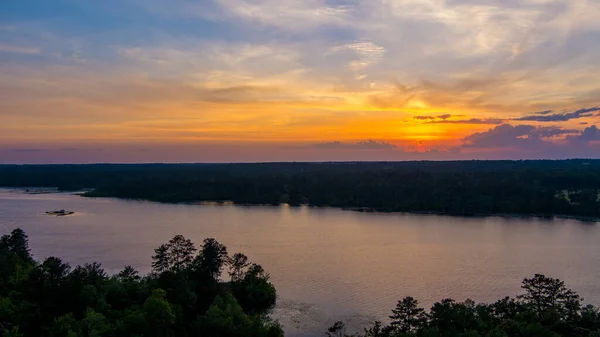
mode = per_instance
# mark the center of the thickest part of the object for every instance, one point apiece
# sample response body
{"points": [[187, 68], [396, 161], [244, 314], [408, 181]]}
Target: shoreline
{"points": [[84, 193], [586, 219]]}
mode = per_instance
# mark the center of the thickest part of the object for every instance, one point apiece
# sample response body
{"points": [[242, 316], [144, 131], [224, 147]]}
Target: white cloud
{"points": [[288, 14]]}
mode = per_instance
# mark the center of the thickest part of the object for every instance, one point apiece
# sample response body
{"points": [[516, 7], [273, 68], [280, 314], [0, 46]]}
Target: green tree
{"points": [[161, 261], [451, 317], [94, 324], [549, 297], [238, 264], [48, 299], [505, 309], [408, 317], [378, 330], [175, 255], [132, 324], [15, 261], [181, 251], [17, 243], [159, 315], [338, 329], [590, 319], [225, 317], [128, 274], [255, 293], [213, 256], [12, 332]]}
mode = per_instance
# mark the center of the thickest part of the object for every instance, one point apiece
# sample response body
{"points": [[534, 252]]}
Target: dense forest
{"points": [[547, 308], [183, 296], [566, 187]]}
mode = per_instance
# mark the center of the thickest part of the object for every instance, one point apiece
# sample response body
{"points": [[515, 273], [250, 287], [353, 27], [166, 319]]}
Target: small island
{"points": [[61, 212]]}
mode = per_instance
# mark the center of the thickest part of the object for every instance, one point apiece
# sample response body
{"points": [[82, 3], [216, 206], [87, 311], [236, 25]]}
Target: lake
{"points": [[326, 264]]}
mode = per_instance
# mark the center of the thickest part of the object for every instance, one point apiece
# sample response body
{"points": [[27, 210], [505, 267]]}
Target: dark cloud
{"points": [[551, 131], [533, 142], [443, 117], [504, 135], [545, 112], [362, 145], [508, 135], [561, 117], [589, 134], [492, 121]]}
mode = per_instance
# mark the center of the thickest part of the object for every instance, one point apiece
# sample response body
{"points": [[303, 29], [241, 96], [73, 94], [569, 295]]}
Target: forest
{"points": [[185, 295], [546, 308], [536, 187]]}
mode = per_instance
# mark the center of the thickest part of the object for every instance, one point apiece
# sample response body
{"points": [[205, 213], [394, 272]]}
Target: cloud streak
{"points": [[443, 117], [473, 121], [360, 145], [546, 116], [530, 142], [423, 76]]}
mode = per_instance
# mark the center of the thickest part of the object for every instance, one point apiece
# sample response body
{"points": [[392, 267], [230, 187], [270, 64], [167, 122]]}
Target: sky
{"points": [[298, 80]]}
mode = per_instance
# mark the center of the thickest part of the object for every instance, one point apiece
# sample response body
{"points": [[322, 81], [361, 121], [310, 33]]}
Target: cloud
{"points": [[561, 117], [519, 135], [502, 136], [589, 134], [287, 14], [361, 145], [368, 52], [551, 131], [288, 70], [483, 121], [444, 117], [530, 142]]}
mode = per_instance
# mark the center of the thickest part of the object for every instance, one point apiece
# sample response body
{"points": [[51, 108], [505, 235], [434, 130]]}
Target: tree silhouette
{"points": [[549, 297], [161, 262], [128, 274], [408, 317], [181, 251], [338, 329], [238, 264], [17, 243], [175, 255], [211, 259]]}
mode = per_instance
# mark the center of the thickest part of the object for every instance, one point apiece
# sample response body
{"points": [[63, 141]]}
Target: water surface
{"points": [[326, 264]]}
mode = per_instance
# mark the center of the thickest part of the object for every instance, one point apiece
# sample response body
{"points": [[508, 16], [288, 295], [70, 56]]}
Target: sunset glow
{"points": [[283, 80]]}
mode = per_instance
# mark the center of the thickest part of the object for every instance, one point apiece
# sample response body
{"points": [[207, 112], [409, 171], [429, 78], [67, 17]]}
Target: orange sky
{"points": [[418, 75]]}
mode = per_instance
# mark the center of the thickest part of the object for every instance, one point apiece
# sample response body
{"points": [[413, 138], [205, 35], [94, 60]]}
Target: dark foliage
{"points": [[545, 309], [567, 187], [182, 297]]}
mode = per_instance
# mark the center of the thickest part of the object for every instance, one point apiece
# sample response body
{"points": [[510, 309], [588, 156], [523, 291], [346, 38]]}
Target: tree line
{"points": [[184, 295], [546, 188], [547, 308]]}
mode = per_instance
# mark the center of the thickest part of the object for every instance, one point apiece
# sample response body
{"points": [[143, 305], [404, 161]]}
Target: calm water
{"points": [[326, 264]]}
